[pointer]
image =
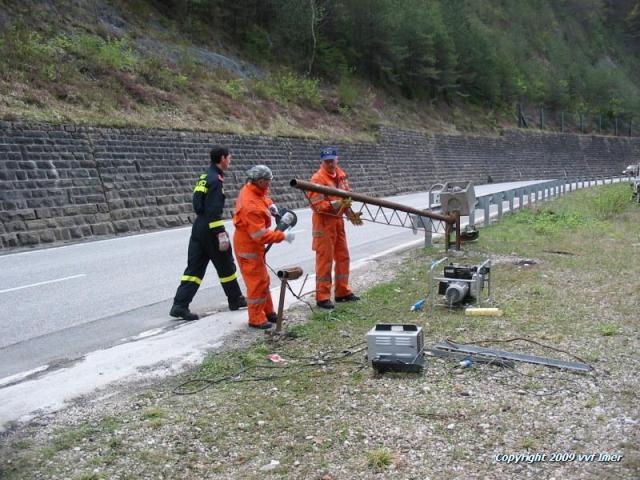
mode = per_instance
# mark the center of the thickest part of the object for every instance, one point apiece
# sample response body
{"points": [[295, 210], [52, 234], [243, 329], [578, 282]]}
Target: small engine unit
{"points": [[463, 283], [395, 347]]}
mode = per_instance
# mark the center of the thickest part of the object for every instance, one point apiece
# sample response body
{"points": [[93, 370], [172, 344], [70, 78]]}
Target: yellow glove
{"points": [[354, 217], [342, 204]]}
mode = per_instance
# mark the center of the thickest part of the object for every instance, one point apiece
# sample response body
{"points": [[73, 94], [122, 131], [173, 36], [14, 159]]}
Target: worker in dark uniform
{"points": [[209, 240]]}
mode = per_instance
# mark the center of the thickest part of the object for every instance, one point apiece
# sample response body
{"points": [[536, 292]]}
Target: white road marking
{"points": [[145, 334], [43, 283], [19, 376]]}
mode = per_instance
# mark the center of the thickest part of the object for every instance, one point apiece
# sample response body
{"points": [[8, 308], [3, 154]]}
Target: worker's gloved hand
{"points": [[223, 241], [289, 237], [274, 209], [354, 217], [341, 204]]}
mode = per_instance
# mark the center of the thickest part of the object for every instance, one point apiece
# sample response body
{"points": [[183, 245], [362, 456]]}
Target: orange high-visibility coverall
{"points": [[252, 220], [329, 239]]}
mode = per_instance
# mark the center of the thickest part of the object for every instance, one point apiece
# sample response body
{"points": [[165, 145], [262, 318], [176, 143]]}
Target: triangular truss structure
{"points": [[382, 211], [398, 218]]}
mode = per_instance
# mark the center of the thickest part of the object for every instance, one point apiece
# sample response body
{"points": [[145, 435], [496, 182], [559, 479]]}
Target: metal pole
{"points": [[519, 108], [283, 291], [449, 220], [285, 275], [562, 121], [359, 197], [447, 234]]}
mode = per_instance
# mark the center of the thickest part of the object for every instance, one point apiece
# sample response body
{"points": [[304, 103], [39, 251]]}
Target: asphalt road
{"points": [[61, 303]]}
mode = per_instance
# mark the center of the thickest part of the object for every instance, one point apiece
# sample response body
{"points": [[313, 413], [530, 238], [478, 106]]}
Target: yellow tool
{"points": [[486, 311]]}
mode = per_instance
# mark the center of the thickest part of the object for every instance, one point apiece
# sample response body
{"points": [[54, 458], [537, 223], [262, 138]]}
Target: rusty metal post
{"points": [[449, 220], [359, 197], [285, 275], [447, 234], [458, 241], [283, 291]]}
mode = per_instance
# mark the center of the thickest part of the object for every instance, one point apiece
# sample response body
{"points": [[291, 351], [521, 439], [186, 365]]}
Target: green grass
{"points": [[379, 459], [152, 413], [608, 329]]}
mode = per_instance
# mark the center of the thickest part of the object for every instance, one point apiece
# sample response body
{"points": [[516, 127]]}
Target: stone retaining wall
{"points": [[62, 183]]}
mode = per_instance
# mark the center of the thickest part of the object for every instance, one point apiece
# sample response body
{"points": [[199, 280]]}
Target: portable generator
{"points": [[462, 284], [395, 348]]}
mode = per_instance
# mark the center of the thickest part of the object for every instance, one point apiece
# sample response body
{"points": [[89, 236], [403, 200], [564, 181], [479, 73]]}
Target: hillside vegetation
{"points": [[335, 68]]}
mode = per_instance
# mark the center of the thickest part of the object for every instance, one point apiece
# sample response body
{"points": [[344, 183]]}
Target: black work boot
{"points": [[348, 298], [180, 311], [272, 317], [262, 326], [237, 303], [326, 304]]}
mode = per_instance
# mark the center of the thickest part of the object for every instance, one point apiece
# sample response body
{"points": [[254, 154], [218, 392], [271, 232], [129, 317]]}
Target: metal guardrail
{"points": [[524, 196]]}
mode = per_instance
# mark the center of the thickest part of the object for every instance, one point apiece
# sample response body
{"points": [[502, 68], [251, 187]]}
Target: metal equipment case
{"points": [[395, 347]]}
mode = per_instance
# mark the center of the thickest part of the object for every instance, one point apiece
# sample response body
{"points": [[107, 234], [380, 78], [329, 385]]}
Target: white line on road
{"points": [[19, 376], [43, 283]]}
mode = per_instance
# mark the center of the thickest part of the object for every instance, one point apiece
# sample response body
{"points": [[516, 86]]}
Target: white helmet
{"points": [[259, 172]]}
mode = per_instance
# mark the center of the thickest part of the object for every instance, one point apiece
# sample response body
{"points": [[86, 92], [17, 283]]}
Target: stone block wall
{"points": [[63, 183]]}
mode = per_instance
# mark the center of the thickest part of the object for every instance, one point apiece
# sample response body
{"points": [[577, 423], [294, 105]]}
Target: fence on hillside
{"points": [[576, 122]]}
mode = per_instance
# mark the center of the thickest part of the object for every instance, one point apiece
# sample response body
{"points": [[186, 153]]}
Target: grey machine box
{"points": [[395, 347], [459, 196]]}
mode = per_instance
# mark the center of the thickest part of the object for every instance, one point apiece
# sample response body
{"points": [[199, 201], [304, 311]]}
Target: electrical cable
{"points": [[345, 357]]}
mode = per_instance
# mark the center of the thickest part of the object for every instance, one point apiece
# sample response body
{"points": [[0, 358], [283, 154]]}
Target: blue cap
{"points": [[329, 153]]}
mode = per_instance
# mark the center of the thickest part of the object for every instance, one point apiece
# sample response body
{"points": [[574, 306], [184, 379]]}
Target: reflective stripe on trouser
{"points": [[330, 248], [202, 249], [256, 278]]}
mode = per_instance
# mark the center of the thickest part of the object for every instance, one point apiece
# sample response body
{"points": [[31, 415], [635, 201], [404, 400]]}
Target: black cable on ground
{"points": [[344, 357]]}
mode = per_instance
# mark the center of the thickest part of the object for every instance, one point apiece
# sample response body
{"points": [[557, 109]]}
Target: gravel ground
{"points": [[337, 419]]}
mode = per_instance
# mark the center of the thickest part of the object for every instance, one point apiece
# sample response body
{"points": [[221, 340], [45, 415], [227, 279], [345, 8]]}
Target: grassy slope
{"points": [[336, 418], [86, 63], [61, 64]]}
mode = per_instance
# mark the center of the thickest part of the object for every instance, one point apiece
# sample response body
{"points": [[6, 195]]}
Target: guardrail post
{"points": [[498, 200], [520, 198], [510, 194], [485, 206], [428, 237], [472, 215]]}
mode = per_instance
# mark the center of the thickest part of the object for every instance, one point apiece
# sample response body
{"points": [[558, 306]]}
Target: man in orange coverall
{"points": [[329, 239], [252, 219]]}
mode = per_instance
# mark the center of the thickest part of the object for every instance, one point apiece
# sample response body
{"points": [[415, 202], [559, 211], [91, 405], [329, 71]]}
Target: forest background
{"points": [[319, 68]]}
